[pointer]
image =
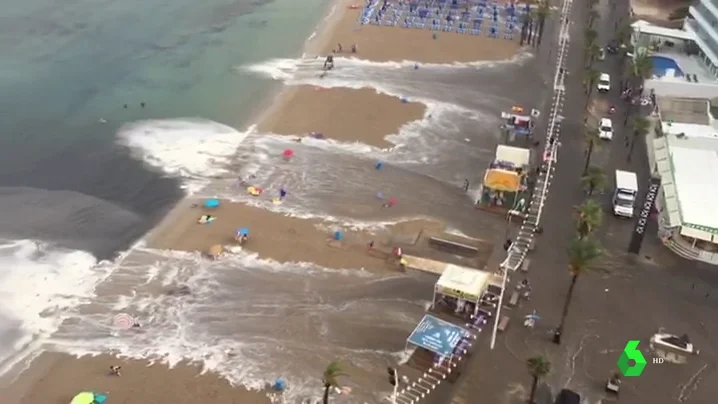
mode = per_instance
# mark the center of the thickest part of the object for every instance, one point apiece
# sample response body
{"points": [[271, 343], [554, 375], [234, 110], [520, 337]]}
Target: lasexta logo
{"points": [[631, 353]]}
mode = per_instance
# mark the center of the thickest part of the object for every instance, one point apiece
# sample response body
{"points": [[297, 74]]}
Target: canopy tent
{"points": [[517, 156], [502, 180], [437, 336], [462, 283]]}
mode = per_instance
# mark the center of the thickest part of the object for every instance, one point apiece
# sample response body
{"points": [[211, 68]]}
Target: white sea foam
{"points": [[194, 150], [182, 328], [40, 286]]}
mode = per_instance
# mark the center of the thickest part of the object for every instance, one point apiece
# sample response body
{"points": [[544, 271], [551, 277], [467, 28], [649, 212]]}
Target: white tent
{"points": [[462, 283], [517, 156]]}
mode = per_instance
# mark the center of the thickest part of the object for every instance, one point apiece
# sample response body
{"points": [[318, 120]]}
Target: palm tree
{"points": [[592, 142], [594, 180], [593, 16], [640, 69], [640, 129], [525, 23], [539, 367], [581, 254], [623, 35], [542, 12], [590, 36], [329, 378], [592, 52], [589, 216], [590, 77]]}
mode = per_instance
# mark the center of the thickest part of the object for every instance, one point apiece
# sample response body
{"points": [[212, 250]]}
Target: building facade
{"points": [[703, 22]]}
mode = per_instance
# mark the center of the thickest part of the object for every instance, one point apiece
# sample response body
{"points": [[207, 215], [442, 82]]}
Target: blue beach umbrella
{"points": [[211, 203], [279, 384], [243, 232]]}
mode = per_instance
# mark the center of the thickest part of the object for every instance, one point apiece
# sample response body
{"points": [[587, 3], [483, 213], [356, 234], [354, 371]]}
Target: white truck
{"points": [[625, 193]]}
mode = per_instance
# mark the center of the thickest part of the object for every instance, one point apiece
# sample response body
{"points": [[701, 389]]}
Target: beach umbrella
{"points": [[243, 232], [288, 153], [85, 397], [211, 203], [124, 321], [100, 398], [280, 384]]}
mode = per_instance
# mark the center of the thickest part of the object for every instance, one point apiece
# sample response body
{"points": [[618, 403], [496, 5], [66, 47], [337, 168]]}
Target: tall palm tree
{"points": [[640, 68], [539, 367], [623, 34], [593, 16], [525, 23], [581, 254], [640, 129], [592, 52], [329, 378], [590, 36], [542, 12], [595, 179], [592, 142], [589, 216], [590, 77]]}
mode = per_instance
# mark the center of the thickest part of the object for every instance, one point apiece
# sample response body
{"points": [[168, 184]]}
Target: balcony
{"points": [[703, 37], [707, 22]]}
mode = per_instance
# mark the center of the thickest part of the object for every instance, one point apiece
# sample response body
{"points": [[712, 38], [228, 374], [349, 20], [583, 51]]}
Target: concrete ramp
{"points": [[453, 247]]}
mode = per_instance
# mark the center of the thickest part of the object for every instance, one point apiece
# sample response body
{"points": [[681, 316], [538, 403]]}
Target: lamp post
{"points": [[394, 381]]}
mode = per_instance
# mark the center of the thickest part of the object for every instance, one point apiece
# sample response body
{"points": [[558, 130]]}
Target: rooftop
{"points": [[689, 131], [696, 186], [646, 27], [684, 110]]}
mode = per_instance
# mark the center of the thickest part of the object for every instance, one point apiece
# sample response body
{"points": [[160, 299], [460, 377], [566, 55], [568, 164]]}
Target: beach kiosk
{"points": [[459, 290], [505, 180], [439, 346]]}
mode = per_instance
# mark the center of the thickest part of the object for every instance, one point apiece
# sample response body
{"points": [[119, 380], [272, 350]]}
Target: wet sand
{"points": [[382, 44], [285, 239], [56, 378], [341, 114]]}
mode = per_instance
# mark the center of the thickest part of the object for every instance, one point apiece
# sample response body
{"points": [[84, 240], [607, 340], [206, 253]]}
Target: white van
{"points": [[624, 196], [605, 129]]}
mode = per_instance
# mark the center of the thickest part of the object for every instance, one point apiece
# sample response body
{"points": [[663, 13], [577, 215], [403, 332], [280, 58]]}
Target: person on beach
{"points": [[340, 49], [354, 48], [390, 203], [466, 185], [370, 246], [282, 193], [116, 370]]}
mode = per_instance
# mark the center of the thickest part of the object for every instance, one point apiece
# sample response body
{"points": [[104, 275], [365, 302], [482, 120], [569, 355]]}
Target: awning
{"points": [[462, 283], [437, 336], [699, 232], [502, 180], [669, 203], [517, 156]]}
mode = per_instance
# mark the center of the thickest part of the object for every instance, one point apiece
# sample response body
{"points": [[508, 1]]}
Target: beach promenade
{"points": [[343, 115], [627, 298]]}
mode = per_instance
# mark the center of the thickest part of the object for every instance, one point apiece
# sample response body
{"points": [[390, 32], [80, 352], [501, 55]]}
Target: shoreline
{"points": [[182, 217]]}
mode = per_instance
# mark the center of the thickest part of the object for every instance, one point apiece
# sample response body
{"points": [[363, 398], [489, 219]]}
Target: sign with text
{"points": [[642, 220]]}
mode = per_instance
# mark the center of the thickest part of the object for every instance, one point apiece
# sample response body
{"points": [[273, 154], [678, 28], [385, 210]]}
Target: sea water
{"points": [[84, 184], [73, 77]]}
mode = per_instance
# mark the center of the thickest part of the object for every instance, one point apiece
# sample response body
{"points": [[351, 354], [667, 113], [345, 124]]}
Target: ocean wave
{"points": [[195, 150], [224, 323], [40, 286]]}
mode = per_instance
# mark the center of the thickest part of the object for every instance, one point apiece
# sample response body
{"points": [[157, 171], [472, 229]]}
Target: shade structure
{"points": [[215, 250], [437, 336], [85, 397], [502, 180], [211, 203]]}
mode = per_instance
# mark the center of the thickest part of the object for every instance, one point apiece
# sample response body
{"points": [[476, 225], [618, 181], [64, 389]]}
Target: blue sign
{"points": [[438, 336]]}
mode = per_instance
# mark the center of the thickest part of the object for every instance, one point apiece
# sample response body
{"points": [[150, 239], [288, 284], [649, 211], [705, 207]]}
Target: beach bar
{"points": [[505, 179], [437, 343], [460, 289]]}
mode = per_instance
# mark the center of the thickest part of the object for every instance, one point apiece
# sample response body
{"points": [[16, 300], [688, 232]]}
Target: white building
{"points": [[703, 24], [685, 156]]}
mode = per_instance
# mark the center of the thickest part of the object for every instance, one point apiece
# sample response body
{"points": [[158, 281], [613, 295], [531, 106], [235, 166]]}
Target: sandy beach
{"points": [[341, 114], [56, 378], [384, 44], [283, 238]]}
